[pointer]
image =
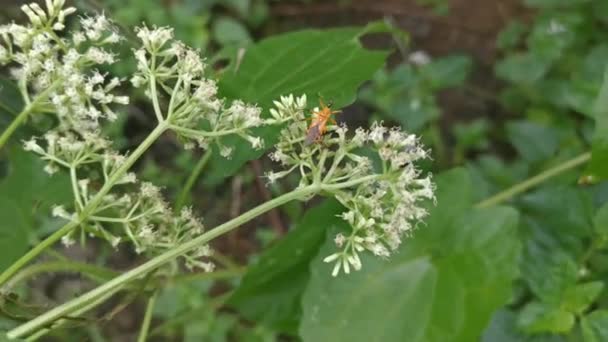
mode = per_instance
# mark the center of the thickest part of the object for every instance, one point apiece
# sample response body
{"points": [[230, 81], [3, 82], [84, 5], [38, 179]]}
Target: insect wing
{"points": [[313, 134]]}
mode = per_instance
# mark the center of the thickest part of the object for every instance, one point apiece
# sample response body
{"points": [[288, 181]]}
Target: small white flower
{"points": [[67, 240], [419, 58], [339, 240], [32, 145], [256, 142], [225, 151]]}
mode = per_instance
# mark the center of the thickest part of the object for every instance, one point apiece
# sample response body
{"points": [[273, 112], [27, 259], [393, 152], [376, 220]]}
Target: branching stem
{"points": [[88, 209]]}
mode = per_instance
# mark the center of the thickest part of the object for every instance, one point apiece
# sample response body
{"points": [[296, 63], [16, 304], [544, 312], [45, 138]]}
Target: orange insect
{"points": [[318, 124]]}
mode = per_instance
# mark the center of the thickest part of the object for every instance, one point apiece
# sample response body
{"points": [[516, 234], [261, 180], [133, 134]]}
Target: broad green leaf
{"points": [[32, 190], [553, 33], [331, 63], [524, 68], [595, 326], [228, 31], [548, 272], [14, 228], [440, 286], [556, 227], [598, 167], [271, 290], [503, 328], [534, 142], [558, 219], [472, 135], [491, 174], [447, 72], [29, 186], [453, 187], [545, 318], [578, 298]]}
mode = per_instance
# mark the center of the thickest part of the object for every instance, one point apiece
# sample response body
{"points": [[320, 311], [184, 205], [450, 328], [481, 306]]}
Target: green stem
{"points": [[531, 182], [183, 195], [88, 209], [145, 327], [17, 121], [140, 271]]}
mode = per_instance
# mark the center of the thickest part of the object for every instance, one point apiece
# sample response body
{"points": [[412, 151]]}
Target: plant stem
{"points": [[80, 302], [145, 327], [531, 182], [183, 195], [17, 121], [88, 209]]}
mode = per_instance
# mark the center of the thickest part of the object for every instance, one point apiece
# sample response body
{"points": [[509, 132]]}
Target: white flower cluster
{"points": [[141, 217], [383, 201], [58, 75], [194, 111]]}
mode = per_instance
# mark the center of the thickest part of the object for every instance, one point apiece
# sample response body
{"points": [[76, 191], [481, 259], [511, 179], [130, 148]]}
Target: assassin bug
{"points": [[318, 124]]}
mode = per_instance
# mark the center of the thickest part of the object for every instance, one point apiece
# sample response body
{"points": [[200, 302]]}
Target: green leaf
{"points": [[524, 68], [32, 190], [472, 134], [578, 298], [447, 72], [545, 318], [14, 228], [553, 33], [29, 186], [228, 31], [556, 227], [331, 63], [502, 328], [440, 286], [271, 290], [549, 274], [534, 142], [559, 219], [598, 166], [595, 326]]}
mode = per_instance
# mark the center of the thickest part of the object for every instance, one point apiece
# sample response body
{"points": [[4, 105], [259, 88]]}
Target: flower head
{"points": [[61, 73], [383, 201]]}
